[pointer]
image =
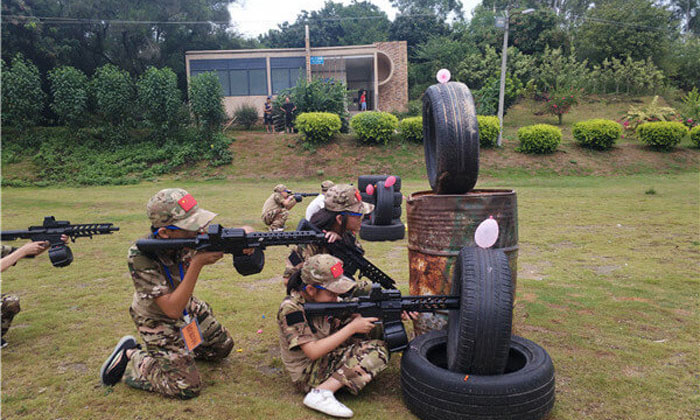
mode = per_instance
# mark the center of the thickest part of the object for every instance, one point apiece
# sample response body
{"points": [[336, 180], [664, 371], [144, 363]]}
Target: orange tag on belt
{"points": [[191, 335]]}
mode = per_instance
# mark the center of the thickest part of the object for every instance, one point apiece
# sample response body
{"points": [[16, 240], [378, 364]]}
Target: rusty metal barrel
{"points": [[439, 225]]}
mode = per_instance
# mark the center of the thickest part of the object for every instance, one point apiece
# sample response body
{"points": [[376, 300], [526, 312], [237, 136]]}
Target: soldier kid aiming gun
{"points": [[52, 230], [234, 241]]}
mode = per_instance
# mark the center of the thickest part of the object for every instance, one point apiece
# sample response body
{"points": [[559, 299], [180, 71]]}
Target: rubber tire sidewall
{"points": [[381, 215], [392, 232], [364, 180]]}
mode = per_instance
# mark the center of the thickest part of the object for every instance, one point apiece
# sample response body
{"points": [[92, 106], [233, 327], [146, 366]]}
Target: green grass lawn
{"points": [[607, 284]]}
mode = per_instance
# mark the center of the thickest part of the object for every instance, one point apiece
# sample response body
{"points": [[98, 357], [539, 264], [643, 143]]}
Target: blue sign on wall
{"points": [[316, 60]]}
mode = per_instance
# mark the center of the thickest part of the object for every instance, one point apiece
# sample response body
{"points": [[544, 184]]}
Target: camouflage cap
{"points": [[327, 271], [280, 188], [325, 185], [344, 197], [174, 206]]}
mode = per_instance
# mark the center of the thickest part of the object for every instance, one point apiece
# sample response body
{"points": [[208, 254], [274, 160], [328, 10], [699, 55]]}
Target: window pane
{"points": [[294, 76], [258, 82], [280, 80], [239, 82], [223, 79]]}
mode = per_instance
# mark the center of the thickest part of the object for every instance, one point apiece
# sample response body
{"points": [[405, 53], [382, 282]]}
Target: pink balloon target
{"points": [[390, 181], [369, 189], [443, 76], [486, 233]]}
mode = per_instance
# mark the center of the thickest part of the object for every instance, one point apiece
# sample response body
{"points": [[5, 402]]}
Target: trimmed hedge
{"points": [[488, 130], [539, 139], [374, 126], [695, 135], [597, 133], [411, 129], [318, 127], [662, 135]]}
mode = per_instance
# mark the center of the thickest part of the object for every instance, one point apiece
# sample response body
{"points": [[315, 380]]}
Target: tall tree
{"points": [[415, 29], [441, 8], [360, 22]]}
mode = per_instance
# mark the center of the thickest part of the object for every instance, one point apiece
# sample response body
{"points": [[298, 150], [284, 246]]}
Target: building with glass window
{"points": [[249, 76]]}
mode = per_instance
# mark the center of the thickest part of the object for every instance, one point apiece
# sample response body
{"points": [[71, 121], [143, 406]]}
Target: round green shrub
{"points": [[411, 129], [539, 139], [22, 97], [115, 94], [695, 135], [206, 102], [246, 116], [318, 127], [159, 99], [662, 135], [374, 126], [70, 96], [488, 130], [597, 133]]}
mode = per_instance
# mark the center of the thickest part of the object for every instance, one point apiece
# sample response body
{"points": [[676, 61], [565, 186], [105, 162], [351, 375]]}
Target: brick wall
{"points": [[393, 95]]}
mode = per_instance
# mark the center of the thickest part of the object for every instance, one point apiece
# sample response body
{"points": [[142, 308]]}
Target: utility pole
{"points": [[502, 90], [308, 54]]}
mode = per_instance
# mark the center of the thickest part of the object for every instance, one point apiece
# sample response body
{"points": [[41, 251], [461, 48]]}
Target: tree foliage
{"points": [[159, 99], [206, 104], [69, 94], [22, 97], [115, 94]]}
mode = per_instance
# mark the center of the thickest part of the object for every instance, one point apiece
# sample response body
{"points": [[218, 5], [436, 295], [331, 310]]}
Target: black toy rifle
{"points": [[235, 240], [298, 196], [52, 230], [387, 305]]}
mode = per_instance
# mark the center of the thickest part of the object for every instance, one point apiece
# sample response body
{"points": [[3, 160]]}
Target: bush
{"points": [[318, 127], [662, 135], [486, 98], [315, 96], [650, 113], [159, 100], [219, 153], [69, 90], [695, 135], [374, 126], [539, 139], [115, 94], [560, 103], [489, 127], [206, 104], [411, 129], [22, 97], [246, 116], [597, 133], [691, 108]]}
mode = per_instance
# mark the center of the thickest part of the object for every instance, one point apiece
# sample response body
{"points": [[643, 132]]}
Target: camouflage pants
{"points": [[166, 367], [354, 366], [276, 219], [10, 308]]}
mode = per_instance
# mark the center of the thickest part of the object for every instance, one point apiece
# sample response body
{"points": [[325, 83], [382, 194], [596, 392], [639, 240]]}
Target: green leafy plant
{"points": [[246, 116], [650, 113], [206, 104], [70, 96], [489, 127], [662, 135], [597, 133], [374, 126], [411, 129], [486, 98], [691, 108], [22, 97], [159, 100], [539, 139], [560, 103], [315, 96], [219, 153], [318, 127], [115, 94], [695, 135]]}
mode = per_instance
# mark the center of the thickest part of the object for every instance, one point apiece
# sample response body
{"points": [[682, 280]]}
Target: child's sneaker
{"points": [[324, 401], [114, 367]]}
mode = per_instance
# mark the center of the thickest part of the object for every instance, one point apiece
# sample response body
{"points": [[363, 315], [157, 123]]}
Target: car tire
{"points": [[479, 331], [396, 212], [381, 215], [392, 232], [398, 198], [451, 138], [364, 180], [524, 392]]}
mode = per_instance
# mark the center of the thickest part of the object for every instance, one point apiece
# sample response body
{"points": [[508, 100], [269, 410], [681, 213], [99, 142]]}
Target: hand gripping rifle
{"points": [[298, 196], [387, 305], [235, 240], [52, 230]]}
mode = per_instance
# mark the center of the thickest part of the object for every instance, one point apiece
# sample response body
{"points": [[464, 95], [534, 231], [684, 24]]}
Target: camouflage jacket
{"points": [[273, 202], [6, 250]]}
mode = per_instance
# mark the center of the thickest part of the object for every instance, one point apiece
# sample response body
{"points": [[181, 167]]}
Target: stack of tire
{"points": [[475, 369], [384, 192]]}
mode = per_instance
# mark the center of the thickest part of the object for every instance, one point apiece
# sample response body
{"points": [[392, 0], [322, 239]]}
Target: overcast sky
{"points": [[255, 17]]}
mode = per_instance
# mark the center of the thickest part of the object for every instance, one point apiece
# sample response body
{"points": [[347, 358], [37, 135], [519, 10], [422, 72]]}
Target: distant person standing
{"points": [[363, 101], [289, 109], [318, 203], [267, 116]]}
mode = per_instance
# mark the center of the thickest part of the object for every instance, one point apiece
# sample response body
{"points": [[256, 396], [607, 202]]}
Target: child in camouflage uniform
{"points": [[341, 219], [321, 354], [10, 255], [275, 211], [163, 304]]}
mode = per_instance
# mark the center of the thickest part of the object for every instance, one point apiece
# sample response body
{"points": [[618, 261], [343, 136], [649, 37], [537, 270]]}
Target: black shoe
{"points": [[4, 344], [114, 367]]}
